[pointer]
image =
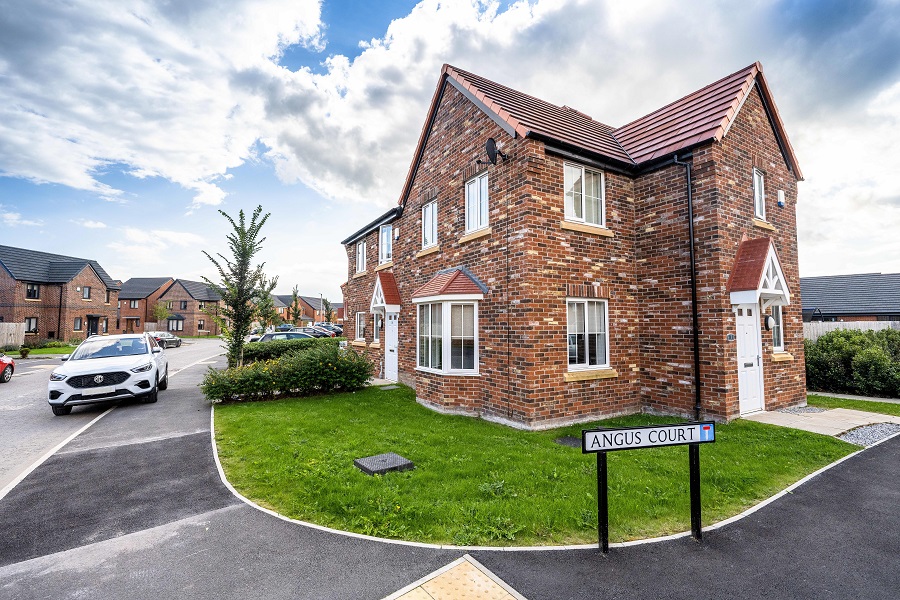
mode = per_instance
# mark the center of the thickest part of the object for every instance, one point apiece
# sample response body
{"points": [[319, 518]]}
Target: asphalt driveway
{"points": [[134, 508]]}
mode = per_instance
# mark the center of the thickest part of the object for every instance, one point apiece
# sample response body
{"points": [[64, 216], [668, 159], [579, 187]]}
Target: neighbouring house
{"points": [[57, 297], [338, 308], [861, 297], [315, 309], [281, 309], [190, 304], [137, 299], [537, 269], [305, 314]]}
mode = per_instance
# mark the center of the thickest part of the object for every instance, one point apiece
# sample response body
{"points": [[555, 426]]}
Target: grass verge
{"points": [[60, 351], [884, 408], [480, 483]]}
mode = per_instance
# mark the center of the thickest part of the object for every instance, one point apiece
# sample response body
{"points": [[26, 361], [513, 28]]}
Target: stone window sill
{"points": [[32, 299], [590, 374], [428, 251], [384, 266], [360, 274], [375, 345], [764, 225], [358, 343], [782, 356], [586, 228], [475, 235]]}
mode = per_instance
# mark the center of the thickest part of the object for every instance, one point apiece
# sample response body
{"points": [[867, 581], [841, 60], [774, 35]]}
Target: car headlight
{"points": [[57, 377], [142, 368]]}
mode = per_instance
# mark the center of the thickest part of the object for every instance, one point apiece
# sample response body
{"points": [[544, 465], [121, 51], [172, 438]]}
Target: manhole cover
{"points": [[569, 440], [389, 387], [383, 463]]}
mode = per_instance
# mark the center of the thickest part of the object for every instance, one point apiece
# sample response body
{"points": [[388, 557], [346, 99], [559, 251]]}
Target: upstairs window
{"points": [[133, 304], [429, 225], [170, 305], [361, 256], [32, 291], [107, 296], [585, 200], [184, 304], [86, 293], [759, 194], [202, 305], [477, 203], [385, 244]]}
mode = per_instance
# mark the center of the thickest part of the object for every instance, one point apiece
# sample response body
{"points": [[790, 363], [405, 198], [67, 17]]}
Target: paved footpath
{"points": [[134, 508]]}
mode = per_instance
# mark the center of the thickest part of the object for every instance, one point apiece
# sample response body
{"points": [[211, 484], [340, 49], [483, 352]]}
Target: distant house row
{"points": [[68, 298], [859, 297], [311, 309]]}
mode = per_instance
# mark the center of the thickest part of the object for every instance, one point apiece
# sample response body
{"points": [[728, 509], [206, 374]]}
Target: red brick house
{"points": [[538, 268], [137, 299], [189, 304], [57, 297]]}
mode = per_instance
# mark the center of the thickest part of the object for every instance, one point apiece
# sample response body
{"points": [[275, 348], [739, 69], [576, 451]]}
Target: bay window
{"points": [[447, 334]]}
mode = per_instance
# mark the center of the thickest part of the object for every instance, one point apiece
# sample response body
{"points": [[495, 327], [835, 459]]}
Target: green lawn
{"points": [[885, 408], [41, 351], [480, 483]]}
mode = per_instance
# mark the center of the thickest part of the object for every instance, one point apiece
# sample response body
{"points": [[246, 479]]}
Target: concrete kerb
{"points": [[656, 540]]}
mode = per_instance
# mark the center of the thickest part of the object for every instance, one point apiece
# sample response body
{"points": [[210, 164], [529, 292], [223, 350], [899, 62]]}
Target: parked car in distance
{"points": [[284, 335], [331, 327], [7, 368], [284, 327], [166, 339], [311, 331], [105, 368]]}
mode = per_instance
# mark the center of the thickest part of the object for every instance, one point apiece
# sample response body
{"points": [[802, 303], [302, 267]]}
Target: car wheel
{"points": [[152, 396], [178, 345], [6, 375], [61, 410], [165, 381]]}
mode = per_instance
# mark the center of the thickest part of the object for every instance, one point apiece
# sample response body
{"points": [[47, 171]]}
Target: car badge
{"points": [[98, 379]]}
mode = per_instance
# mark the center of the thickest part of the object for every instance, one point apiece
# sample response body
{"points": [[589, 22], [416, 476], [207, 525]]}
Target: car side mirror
{"points": [[157, 350], [64, 357]]}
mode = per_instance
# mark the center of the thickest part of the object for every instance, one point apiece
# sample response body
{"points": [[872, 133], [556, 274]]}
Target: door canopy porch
{"points": [[757, 275], [385, 296]]}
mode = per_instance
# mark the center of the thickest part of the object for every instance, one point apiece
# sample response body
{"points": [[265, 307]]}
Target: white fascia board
{"points": [[745, 297], [450, 298]]}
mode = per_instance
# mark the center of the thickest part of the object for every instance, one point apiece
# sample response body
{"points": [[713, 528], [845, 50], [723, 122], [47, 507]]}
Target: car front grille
{"points": [[90, 381]]}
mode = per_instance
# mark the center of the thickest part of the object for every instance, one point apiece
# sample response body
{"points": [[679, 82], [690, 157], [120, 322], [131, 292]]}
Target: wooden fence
{"points": [[813, 330], [12, 334]]}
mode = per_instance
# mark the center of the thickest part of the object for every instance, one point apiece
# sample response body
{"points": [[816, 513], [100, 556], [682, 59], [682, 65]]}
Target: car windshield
{"points": [[107, 348]]}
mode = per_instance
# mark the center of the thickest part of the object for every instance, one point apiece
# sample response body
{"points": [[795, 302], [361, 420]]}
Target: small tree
{"points": [[327, 310], [160, 312], [265, 306], [239, 281], [295, 310]]}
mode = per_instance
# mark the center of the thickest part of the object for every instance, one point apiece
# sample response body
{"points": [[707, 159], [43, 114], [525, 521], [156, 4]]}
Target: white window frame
{"points": [[587, 365], [385, 244], [361, 256], [376, 329], [425, 363], [104, 328], [778, 329], [360, 327], [477, 194], [429, 225], [132, 304], [570, 206], [759, 194]]}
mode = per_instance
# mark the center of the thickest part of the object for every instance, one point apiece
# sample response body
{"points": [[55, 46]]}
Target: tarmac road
{"points": [[134, 508]]}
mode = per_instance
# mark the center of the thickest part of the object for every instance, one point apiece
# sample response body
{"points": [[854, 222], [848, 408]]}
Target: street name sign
{"points": [[632, 438]]}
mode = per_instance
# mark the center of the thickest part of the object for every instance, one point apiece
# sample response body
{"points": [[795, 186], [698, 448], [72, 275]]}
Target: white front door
{"points": [[390, 346], [749, 356]]}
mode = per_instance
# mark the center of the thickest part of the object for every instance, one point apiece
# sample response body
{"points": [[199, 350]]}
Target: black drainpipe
{"points": [[694, 318]]}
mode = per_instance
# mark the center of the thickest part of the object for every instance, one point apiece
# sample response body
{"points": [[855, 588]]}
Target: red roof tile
{"points": [[749, 264], [389, 288], [455, 282]]}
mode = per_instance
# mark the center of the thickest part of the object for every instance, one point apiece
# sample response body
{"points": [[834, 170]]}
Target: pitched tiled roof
{"points": [[749, 263], [862, 294], [277, 302], [698, 118], [138, 288], [200, 290], [389, 287], [455, 281], [43, 267], [286, 299], [313, 301]]}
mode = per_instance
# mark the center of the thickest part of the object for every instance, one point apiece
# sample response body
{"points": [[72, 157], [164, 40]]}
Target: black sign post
{"points": [[601, 441]]}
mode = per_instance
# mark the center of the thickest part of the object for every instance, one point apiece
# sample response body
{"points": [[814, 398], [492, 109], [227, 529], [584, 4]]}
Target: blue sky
{"points": [[126, 124]]}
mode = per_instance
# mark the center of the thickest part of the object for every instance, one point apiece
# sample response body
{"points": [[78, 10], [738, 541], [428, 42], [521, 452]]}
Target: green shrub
{"points": [[320, 368], [855, 362], [24, 351], [257, 351]]}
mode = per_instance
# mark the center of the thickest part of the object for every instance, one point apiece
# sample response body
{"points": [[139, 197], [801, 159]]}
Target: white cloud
{"points": [[90, 224], [14, 219]]}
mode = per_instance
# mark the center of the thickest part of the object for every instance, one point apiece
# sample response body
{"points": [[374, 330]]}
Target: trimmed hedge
{"points": [[866, 363], [257, 351], [318, 369]]}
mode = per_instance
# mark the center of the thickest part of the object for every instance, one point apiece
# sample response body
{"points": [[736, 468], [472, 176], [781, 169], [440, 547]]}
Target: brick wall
{"points": [[192, 314]]}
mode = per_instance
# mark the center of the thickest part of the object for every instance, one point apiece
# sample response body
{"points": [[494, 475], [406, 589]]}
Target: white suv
{"points": [[109, 367]]}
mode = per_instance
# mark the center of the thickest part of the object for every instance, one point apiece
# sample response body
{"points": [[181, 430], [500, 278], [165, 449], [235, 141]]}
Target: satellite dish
{"points": [[490, 146]]}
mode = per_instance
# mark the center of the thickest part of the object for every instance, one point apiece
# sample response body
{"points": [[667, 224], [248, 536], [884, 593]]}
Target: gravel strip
{"points": [[869, 434], [801, 410]]}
